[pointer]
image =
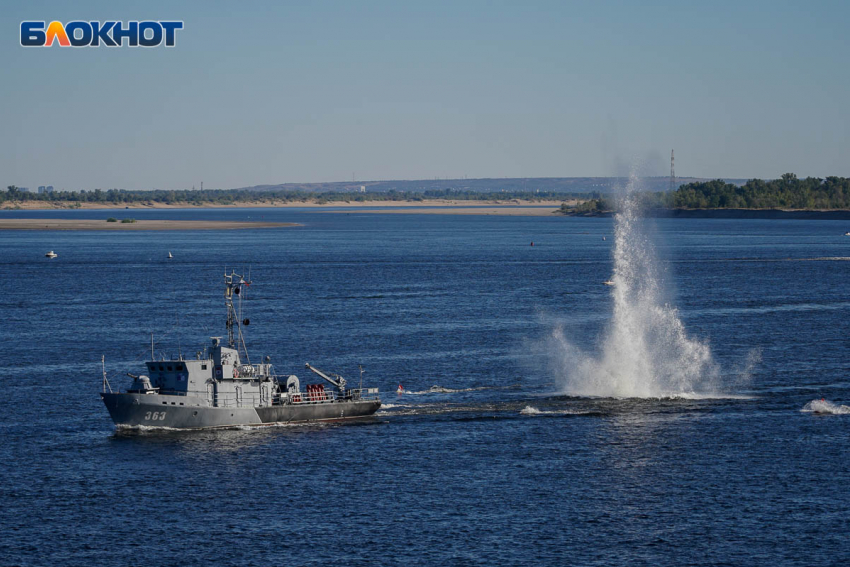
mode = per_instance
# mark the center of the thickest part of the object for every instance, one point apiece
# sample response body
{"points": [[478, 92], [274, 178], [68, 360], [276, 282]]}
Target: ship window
{"points": [[179, 367], [161, 368], [181, 403], [165, 403], [203, 367], [169, 368]]}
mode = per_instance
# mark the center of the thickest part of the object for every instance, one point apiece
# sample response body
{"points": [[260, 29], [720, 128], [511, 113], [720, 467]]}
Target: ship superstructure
{"points": [[220, 387]]}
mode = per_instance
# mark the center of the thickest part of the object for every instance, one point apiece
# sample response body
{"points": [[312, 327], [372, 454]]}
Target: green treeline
{"points": [[120, 197], [593, 206], [787, 192]]}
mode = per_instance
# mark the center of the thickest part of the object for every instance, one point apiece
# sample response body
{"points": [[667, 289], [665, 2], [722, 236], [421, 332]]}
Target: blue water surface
{"points": [[496, 467]]}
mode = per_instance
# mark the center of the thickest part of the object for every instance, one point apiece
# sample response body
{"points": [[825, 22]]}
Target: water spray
{"points": [[646, 351]]}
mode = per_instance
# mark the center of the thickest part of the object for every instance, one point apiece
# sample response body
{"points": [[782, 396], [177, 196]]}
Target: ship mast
{"points": [[234, 286]]}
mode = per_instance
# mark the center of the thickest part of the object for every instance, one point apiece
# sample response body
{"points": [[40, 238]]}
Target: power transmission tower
{"points": [[672, 171]]}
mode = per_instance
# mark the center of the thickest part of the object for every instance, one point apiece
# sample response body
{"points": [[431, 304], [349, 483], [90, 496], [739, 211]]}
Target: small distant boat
{"points": [[847, 234], [169, 255], [608, 282], [51, 254], [400, 390]]}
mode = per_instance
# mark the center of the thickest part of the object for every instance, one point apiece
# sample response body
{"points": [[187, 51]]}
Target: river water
{"points": [[517, 457]]}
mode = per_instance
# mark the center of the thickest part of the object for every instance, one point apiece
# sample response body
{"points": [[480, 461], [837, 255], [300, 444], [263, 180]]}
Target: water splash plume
{"points": [[645, 351]]}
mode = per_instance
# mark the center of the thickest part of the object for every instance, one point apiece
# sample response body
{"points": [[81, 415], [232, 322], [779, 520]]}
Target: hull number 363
{"points": [[157, 415]]}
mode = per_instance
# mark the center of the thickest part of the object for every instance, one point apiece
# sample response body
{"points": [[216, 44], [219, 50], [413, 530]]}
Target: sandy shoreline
{"points": [[81, 224], [496, 211], [62, 205]]}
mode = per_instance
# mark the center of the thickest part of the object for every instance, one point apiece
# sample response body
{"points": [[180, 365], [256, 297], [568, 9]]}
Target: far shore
{"points": [[81, 224], [506, 207], [505, 211], [788, 214], [73, 205]]}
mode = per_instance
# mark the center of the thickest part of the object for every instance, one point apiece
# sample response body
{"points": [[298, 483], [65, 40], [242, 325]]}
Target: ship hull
{"points": [[135, 410]]}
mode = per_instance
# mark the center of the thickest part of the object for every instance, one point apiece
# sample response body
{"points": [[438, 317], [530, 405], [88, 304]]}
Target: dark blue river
{"points": [[498, 465]]}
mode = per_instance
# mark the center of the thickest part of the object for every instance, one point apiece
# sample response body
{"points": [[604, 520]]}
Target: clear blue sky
{"points": [[273, 92]]}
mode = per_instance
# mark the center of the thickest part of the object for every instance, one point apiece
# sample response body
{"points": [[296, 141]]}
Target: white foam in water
{"points": [[531, 410], [146, 428], [825, 407], [393, 406], [441, 390], [244, 427], [646, 351]]}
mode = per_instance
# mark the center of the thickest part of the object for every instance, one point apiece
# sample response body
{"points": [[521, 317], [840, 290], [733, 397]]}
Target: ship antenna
{"points": [[228, 300], [105, 381], [179, 346], [233, 317], [241, 320]]}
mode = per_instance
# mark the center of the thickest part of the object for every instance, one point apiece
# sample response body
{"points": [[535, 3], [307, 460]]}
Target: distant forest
{"points": [[119, 197], [787, 192]]}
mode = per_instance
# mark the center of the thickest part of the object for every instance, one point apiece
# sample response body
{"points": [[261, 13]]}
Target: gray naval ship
{"points": [[222, 388]]}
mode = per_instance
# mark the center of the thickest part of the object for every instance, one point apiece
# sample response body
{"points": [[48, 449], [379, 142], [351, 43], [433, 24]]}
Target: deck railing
{"points": [[257, 399], [243, 400], [326, 396], [363, 394]]}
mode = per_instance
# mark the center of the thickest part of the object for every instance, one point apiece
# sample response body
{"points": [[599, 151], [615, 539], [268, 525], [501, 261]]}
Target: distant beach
{"points": [[85, 224], [503, 210], [72, 205]]}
